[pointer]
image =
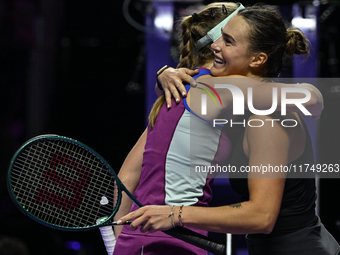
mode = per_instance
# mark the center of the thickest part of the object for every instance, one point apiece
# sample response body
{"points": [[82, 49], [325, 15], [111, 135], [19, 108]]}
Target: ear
{"points": [[259, 59]]}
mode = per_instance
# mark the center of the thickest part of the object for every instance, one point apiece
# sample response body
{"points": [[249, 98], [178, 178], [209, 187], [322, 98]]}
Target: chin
{"points": [[216, 72]]}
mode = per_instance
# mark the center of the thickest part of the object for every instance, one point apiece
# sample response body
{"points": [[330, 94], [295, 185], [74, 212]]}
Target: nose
{"points": [[216, 45]]}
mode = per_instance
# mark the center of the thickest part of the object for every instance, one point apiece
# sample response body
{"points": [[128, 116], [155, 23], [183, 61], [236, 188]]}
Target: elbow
{"points": [[316, 101], [267, 224], [129, 183], [267, 229]]}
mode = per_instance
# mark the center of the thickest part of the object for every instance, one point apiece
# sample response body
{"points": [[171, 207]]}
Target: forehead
{"points": [[236, 27]]}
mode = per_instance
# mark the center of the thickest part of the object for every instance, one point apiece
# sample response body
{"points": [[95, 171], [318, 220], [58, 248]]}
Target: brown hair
{"points": [[193, 28], [268, 34]]}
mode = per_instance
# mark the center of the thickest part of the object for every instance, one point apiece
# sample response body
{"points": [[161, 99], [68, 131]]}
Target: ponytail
{"points": [[193, 28]]}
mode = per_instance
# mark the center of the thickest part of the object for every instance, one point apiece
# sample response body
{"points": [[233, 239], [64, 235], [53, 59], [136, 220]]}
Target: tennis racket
{"points": [[64, 184]]}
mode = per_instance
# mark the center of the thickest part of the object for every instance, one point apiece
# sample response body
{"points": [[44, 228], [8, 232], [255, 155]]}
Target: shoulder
{"points": [[267, 125], [275, 133], [271, 124]]}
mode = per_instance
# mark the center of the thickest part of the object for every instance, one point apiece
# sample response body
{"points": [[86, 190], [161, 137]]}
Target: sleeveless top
{"points": [[298, 202], [177, 143]]}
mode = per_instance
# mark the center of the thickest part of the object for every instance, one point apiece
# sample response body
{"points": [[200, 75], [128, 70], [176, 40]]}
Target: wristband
{"points": [[159, 73]]}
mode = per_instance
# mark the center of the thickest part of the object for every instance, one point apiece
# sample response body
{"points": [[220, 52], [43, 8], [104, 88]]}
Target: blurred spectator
{"points": [[12, 246]]}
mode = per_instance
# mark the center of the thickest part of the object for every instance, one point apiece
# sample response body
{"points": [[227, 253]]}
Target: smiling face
{"points": [[231, 50]]}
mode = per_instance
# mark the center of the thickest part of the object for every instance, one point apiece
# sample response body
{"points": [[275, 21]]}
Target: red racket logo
{"points": [[69, 185]]}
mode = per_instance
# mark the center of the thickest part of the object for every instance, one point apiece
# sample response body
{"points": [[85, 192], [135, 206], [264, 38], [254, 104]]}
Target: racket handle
{"points": [[197, 239], [108, 238], [124, 223]]}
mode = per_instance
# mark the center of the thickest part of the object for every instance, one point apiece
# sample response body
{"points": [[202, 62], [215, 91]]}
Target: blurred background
{"points": [[86, 69]]}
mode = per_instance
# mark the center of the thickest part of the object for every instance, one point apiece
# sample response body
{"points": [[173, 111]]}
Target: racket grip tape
{"points": [[108, 238], [197, 240]]}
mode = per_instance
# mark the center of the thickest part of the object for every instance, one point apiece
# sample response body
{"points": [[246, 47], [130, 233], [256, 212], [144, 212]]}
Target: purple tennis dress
{"points": [[173, 147]]}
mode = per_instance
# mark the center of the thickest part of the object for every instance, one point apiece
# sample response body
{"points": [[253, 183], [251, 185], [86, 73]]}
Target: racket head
{"points": [[64, 184]]}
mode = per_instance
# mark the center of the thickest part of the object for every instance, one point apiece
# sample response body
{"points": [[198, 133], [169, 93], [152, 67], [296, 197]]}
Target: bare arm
{"points": [[171, 80], [129, 174], [265, 145], [258, 215], [262, 99], [262, 95]]}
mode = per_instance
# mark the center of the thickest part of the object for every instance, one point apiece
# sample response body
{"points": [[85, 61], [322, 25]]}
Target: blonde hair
{"points": [[191, 30]]}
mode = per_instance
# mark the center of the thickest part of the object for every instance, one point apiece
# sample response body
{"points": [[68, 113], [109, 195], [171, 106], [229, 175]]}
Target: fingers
{"points": [[137, 222], [168, 98], [149, 218], [131, 216], [191, 72], [186, 74], [173, 88], [165, 78], [175, 94], [181, 88], [140, 220], [193, 82], [172, 83]]}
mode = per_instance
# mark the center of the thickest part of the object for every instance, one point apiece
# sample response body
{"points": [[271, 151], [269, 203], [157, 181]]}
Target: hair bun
{"points": [[297, 42]]}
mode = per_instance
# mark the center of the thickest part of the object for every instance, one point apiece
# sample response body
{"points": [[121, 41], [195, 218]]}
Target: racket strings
{"points": [[56, 187], [51, 180]]}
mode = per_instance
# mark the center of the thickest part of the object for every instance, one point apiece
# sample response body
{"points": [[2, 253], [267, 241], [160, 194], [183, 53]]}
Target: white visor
{"points": [[214, 34]]}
